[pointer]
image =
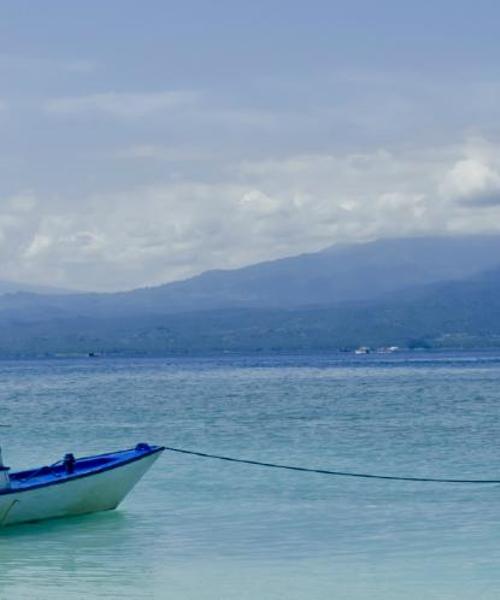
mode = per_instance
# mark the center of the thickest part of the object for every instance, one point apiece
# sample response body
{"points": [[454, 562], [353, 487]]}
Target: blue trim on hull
{"points": [[25, 481]]}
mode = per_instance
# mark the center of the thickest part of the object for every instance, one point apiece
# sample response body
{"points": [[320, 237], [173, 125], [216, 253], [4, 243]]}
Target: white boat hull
{"points": [[97, 492]]}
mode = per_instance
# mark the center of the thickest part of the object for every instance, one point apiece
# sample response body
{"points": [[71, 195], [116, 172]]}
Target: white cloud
{"points": [[473, 181], [39, 244], [18, 225], [122, 104], [263, 209]]}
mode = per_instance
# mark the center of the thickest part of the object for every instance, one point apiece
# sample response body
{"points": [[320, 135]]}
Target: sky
{"points": [[145, 142]]}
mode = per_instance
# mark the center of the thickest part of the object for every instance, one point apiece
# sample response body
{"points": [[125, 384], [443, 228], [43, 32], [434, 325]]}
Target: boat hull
{"points": [[81, 495]]}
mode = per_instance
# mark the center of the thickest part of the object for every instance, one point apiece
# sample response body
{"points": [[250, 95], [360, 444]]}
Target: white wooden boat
{"points": [[72, 486]]}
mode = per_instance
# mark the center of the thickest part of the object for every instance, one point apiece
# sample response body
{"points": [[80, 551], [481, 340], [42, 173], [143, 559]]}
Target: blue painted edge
{"points": [[68, 478]]}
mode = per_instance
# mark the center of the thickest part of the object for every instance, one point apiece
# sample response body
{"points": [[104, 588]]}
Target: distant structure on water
{"points": [[387, 349], [382, 350], [363, 350]]}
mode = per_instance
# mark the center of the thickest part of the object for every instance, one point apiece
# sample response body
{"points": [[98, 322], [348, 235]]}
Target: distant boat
{"points": [[387, 349], [72, 486], [362, 350]]}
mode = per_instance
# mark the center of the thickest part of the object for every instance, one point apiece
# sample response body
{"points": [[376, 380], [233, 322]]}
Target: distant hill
{"points": [[345, 273], [458, 314], [338, 274]]}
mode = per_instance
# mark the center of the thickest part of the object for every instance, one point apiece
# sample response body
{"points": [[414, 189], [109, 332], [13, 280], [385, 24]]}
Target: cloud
{"points": [[158, 233], [18, 225], [252, 211], [121, 104], [473, 182]]}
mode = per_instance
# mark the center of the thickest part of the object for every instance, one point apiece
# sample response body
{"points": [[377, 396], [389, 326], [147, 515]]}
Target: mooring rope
{"points": [[329, 472]]}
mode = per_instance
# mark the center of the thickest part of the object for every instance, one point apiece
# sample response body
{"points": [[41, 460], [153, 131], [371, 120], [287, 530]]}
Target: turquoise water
{"points": [[200, 529]]}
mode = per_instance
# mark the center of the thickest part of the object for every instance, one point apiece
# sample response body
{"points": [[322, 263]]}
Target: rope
{"points": [[329, 472]]}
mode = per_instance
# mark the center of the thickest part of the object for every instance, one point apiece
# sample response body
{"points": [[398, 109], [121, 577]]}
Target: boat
{"points": [[387, 349], [362, 350], [72, 486]]}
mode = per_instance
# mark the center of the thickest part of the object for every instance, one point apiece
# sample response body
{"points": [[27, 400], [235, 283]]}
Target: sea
{"points": [[202, 529]]}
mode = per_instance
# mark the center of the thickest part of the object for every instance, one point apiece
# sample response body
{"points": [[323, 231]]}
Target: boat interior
{"points": [[71, 467]]}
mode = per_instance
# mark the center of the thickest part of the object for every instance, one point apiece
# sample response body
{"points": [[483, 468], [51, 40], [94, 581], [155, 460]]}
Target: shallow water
{"points": [[201, 529]]}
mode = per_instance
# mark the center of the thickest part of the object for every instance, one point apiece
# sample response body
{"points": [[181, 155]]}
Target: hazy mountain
{"points": [[337, 274], [347, 273], [458, 314]]}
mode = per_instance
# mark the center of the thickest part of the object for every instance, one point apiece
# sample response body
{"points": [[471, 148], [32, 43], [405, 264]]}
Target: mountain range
{"points": [[413, 292]]}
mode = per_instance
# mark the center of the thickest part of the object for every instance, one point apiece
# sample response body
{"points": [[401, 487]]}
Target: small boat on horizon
{"points": [[362, 350], [72, 486]]}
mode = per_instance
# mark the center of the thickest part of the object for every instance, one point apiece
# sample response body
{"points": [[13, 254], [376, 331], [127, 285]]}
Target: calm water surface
{"points": [[196, 529]]}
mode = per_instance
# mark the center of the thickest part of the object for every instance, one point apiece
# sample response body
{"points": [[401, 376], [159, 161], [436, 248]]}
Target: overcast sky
{"points": [[143, 142]]}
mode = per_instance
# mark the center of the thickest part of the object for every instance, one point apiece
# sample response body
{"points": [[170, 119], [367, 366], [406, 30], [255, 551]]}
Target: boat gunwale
{"points": [[73, 477]]}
